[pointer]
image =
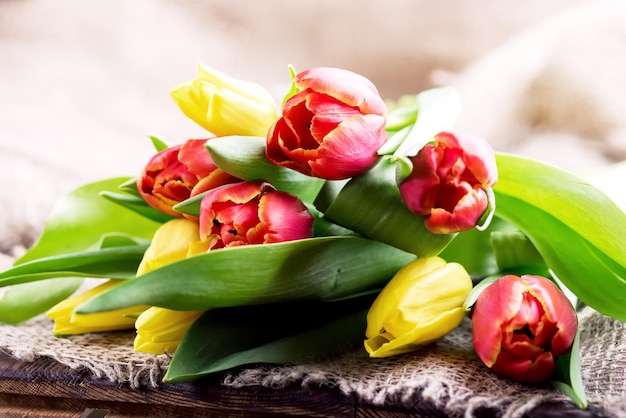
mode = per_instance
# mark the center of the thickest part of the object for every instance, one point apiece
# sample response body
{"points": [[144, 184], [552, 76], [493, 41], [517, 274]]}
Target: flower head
{"points": [[421, 303], [177, 173], [160, 330], [331, 128], [449, 182], [252, 213], [173, 241], [224, 105], [519, 326], [67, 322]]}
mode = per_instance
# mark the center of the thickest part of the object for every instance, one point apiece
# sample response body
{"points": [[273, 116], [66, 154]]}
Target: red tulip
{"points": [[449, 181], [519, 326], [331, 128], [252, 213], [177, 173]]}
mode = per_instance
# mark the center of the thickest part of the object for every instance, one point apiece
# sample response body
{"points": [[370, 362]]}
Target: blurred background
{"points": [[82, 84]]}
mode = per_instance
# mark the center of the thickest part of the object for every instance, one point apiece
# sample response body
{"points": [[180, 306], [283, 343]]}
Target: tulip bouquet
{"points": [[341, 220]]}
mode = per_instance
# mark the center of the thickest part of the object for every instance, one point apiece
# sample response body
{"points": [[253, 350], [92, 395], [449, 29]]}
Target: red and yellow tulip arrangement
{"points": [[377, 219]]}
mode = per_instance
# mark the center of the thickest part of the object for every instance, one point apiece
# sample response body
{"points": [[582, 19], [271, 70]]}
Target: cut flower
{"points": [[519, 326], [422, 303], [177, 173], [252, 212], [67, 322], [224, 105], [331, 128], [450, 182]]}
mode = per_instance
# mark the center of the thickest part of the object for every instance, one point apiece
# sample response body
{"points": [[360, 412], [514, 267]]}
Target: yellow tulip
{"points": [[160, 330], [225, 105], [172, 242], [420, 304], [67, 322]]}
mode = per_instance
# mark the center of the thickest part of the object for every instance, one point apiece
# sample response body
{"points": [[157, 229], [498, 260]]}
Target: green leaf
{"points": [[138, 205], [190, 206], [159, 144], [514, 249], [81, 217], [371, 205], [244, 157], [116, 239], [577, 229], [24, 301], [473, 249], [439, 109], [567, 375], [118, 262], [293, 89], [402, 114], [130, 186], [315, 269], [292, 333], [610, 179]]}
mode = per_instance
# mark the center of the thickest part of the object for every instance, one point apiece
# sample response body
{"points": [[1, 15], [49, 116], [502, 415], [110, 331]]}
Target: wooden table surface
{"points": [[45, 388]]}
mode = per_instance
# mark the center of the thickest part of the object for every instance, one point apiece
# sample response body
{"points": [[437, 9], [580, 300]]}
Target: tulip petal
{"points": [[495, 306], [523, 369], [224, 105], [170, 243], [350, 148], [421, 303], [478, 154], [449, 183], [423, 334], [349, 87], [285, 216]]}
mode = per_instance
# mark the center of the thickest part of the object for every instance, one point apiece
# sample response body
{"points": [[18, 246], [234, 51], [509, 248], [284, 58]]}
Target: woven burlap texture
{"points": [[446, 375]]}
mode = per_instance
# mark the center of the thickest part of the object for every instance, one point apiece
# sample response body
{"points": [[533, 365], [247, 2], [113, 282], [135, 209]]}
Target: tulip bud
{"points": [[224, 105], [519, 326], [67, 322], [177, 173], [420, 304], [331, 128], [449, 182], [252, 213], [172, 242], [160, 330]]}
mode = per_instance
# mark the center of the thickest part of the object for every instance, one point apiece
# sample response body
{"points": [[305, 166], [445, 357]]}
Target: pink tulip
{"points": [[448, 182], [519, 326], [331, 128], [177, 173], [252, 213]]}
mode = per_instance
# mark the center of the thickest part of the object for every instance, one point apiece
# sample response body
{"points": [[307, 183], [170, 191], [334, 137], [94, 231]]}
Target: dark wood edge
{"points": [[47, 388]]}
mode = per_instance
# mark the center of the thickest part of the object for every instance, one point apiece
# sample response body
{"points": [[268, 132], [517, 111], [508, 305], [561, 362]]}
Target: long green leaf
{"points": [[244, 157], [81, 217], [317, 268], [291, 333], [24, 301], [578, 230], [371, 205], [113, 262], [137, 204]]}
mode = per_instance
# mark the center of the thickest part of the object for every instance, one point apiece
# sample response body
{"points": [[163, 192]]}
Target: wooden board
{"points": [[45, 388]]}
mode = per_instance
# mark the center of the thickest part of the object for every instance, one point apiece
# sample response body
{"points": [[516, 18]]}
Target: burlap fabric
{"points": [[549, 91], [446, 375]]}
